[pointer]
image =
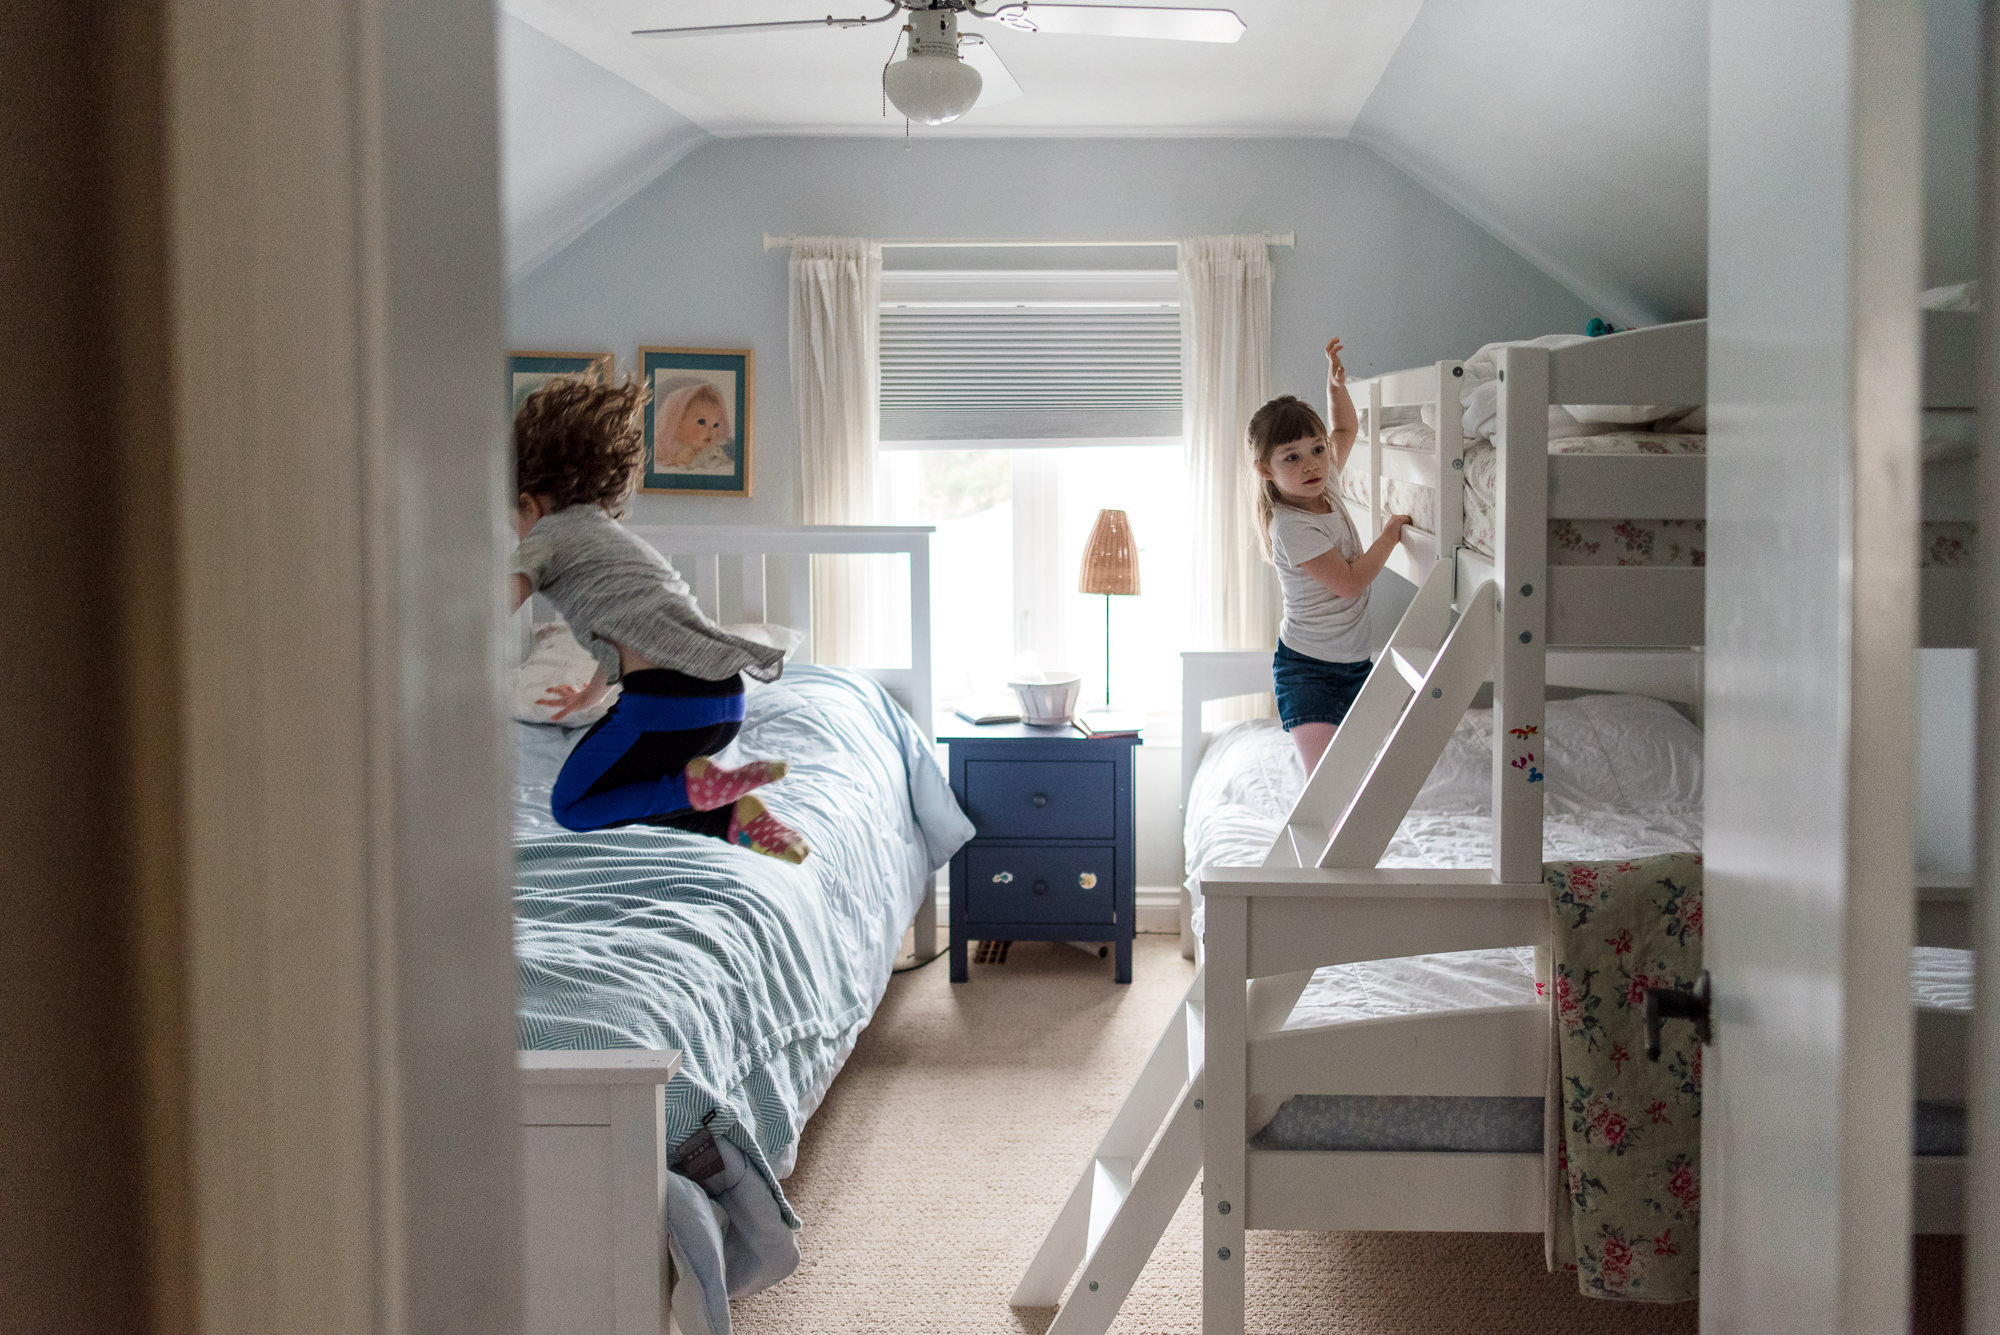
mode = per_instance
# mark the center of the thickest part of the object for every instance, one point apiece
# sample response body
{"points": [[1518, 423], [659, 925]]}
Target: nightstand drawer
{"points": [[1049, 799], [1048, 883]]}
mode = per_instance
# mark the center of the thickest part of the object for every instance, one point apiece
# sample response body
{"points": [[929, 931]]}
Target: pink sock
{"points": [[711, 787], [753, 826]]}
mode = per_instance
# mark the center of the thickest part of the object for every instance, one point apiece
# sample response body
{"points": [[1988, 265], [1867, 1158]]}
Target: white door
{"points": [[1815, 238]]}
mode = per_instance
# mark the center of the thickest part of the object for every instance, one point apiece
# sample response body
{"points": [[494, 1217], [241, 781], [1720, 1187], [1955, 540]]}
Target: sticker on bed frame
{"points": [[1088, 880], [1527, 762], [1003, 877]]}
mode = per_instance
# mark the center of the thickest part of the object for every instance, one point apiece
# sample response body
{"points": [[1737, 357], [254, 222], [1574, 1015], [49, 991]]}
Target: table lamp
{"points": [[1110, 565]]}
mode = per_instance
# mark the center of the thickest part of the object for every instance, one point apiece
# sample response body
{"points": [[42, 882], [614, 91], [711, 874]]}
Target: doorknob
{"points": [[1673, 1003]]}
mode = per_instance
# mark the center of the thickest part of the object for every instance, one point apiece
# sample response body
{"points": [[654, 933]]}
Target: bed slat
{"points": [[1479, 1052], [1374, 1190], [754, 601]]}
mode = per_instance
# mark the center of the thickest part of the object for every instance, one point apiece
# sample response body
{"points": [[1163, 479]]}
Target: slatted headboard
{"points": [[764, 573]]}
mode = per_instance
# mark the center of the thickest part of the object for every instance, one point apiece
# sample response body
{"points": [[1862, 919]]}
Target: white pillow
{"points": [[763, 632], [1625, 414], [1482, 416], [556, 660]]}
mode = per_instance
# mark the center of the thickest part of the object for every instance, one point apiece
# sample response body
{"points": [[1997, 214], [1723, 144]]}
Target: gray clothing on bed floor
{"points": [[615, 589]]}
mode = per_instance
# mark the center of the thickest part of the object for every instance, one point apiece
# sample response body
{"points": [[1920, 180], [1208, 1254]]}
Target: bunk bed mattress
{"points": [[1637, 541], [1624, 780], [761, 973]]}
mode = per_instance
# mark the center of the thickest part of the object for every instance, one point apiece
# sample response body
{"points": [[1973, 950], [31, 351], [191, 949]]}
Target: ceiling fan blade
{"points": [[708, 29], [1185, 25], [999, 83]]}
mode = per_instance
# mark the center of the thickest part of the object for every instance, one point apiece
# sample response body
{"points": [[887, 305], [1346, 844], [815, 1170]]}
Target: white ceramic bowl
{"points": [[1048, 699]]}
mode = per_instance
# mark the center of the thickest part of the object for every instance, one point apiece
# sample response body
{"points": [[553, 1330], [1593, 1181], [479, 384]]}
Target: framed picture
{"points": [[529, 371], [698, 423]]}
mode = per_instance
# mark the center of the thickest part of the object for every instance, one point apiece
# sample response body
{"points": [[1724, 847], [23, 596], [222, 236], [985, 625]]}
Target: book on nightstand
{"points": [[1108, 725], [986, 714]]}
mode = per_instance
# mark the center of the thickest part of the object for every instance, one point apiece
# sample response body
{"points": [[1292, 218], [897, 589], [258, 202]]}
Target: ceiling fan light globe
{"points": [[933, 89]]}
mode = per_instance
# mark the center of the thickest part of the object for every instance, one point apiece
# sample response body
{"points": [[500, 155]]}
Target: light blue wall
{"points": [[1403, 277], [1575, 129]]}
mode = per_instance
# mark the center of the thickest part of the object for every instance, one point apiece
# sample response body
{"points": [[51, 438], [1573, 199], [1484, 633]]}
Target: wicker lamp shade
{"points": [[1110, 557]]}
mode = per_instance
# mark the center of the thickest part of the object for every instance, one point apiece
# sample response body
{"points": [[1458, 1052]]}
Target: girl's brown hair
{"points": [[1283, 420], [579, 442]]}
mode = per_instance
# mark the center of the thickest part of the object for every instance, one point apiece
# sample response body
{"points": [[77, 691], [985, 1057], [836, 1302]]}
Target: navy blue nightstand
{"points": [[1052, 856]]}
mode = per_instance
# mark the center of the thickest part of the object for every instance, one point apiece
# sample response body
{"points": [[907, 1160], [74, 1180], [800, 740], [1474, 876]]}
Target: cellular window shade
{"points": [[1045, 372]]}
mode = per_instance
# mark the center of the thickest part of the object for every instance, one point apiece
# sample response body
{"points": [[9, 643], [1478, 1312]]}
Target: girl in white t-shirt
{"points": [[1323, 648]]}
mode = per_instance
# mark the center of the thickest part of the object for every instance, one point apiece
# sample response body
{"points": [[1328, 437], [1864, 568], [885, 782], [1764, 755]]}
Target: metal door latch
{"points": [[1673, 1003]]}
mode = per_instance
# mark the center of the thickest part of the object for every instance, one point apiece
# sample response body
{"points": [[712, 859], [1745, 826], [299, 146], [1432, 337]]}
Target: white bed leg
{"points": [[924, 929]]}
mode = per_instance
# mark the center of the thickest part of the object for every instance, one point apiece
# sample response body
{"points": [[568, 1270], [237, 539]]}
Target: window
{"points": [[1015, 406]]}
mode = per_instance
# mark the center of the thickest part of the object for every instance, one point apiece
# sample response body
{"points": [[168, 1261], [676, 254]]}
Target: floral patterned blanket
{"points": [[1625, 1132]]}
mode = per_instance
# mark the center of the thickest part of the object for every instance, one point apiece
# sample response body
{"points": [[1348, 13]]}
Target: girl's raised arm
{"points": [[1343, 423]]}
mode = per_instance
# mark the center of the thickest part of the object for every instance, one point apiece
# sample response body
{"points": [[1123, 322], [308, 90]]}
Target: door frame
{"points": [[1815, 251]]}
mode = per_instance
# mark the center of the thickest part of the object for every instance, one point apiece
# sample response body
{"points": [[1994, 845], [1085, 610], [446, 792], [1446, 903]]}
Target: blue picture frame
{"points": [[529, 371], [698, 420]]}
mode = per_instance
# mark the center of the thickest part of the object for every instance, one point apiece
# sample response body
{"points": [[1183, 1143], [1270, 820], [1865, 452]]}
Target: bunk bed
{"points": [[1502, 609]]}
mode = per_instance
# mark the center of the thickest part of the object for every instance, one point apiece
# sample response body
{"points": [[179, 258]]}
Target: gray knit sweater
{"points": [[614, 589]]}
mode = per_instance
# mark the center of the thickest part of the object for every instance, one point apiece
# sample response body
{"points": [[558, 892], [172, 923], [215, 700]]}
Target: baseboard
{"points": [[1159, 909]]}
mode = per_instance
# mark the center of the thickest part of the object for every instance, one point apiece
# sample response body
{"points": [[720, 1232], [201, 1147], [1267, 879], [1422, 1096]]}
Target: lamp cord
{"points": [[1107, 653]]}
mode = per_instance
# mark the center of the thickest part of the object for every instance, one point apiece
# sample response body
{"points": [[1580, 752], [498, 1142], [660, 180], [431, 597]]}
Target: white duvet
{"points": [[1624, 780]]}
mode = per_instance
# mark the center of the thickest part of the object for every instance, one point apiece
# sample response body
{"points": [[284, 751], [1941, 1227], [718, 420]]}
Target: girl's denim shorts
{"points": [[1312, 690]]}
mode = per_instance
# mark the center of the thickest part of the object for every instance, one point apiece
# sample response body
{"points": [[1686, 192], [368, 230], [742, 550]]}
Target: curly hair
{"points": [[579, 442], [1282, 421]]}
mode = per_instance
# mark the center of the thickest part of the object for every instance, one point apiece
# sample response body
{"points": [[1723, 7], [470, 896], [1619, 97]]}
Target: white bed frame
{"points": [[595, 1164], [1225, 1061]]}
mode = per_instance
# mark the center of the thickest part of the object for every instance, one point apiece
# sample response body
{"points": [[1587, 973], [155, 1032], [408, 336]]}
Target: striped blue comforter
{"points": [[760, 972]]}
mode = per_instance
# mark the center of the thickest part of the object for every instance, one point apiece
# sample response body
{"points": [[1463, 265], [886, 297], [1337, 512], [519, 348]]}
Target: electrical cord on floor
{"points": [[912, 968]]}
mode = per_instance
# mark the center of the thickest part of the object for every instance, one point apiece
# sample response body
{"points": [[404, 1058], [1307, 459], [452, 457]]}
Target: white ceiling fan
{"points": [[943, 72]]}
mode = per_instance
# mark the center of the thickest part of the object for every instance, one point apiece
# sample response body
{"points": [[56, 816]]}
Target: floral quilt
{"points": [[1626, 1131]]}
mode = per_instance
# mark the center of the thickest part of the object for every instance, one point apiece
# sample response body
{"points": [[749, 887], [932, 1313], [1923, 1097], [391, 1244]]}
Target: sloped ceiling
{"points": [[576, 141], [1574, 130], [1302, 67]]}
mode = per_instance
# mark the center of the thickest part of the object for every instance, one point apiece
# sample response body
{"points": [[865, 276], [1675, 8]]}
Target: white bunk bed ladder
{"points": [[1121, 1204], [1394, 733]]}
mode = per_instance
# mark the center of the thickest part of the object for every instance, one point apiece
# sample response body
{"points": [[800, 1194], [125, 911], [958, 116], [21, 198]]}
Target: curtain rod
{"points": [[1009, 243]]}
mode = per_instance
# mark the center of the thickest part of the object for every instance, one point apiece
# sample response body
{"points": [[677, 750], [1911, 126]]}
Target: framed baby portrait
{"points": [[529, 371], [698, 422]]}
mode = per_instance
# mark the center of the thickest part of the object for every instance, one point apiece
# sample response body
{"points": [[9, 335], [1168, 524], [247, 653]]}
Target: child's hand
{"points": [[1336, 372], [568, 697], [1394, 525]]}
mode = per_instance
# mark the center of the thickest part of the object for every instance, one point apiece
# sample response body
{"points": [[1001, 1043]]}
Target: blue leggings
{"points": [[629, 768]]}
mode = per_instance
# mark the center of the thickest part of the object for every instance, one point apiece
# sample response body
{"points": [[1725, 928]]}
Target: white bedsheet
{"points": [[1624, 780]]}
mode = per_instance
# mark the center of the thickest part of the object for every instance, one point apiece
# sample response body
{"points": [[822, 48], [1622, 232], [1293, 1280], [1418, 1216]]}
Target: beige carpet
{"points": [[945, 1147]]}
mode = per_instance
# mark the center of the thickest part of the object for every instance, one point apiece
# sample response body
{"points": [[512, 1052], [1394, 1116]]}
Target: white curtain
{"points": [[836, 303], [1225, 284]]}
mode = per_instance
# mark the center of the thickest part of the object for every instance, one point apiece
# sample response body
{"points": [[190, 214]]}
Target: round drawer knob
{"points": [[1041, 887], [1041, 799]]}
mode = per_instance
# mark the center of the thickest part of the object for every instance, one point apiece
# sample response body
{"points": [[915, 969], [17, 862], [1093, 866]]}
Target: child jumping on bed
{"points": [[1322, 658], [578, 449]]}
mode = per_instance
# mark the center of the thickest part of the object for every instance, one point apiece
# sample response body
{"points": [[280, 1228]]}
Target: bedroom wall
{"points": [[1381, 261]]}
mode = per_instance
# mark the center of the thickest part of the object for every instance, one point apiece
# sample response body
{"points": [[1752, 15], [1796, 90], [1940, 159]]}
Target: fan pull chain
{"points": [[885, 84]]}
